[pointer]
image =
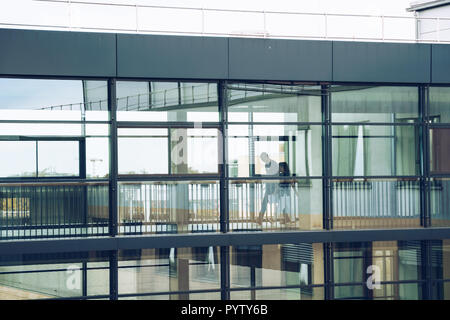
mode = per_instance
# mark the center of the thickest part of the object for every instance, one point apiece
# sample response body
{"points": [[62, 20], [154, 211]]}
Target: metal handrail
{"points": [[323, 23]]}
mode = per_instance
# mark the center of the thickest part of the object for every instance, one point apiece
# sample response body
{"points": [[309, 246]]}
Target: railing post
{"points": [[382, 28], [137, 21], [203, 20], [438, 29], [265, 23], [326, 25]]}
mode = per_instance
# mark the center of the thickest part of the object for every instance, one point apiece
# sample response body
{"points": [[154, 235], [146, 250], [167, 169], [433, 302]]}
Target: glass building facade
{"points": [[95, 159]]}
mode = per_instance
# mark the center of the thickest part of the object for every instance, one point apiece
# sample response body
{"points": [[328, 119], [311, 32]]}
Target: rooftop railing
{"points": [[157, 19]]}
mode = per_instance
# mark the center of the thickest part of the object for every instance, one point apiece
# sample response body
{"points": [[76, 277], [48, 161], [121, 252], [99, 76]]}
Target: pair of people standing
{"points": [[271, 189]]}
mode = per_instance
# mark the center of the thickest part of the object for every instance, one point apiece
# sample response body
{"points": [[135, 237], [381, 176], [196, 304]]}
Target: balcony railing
{"points": [[376, 203], [197, 21], [35, 210], [42, 210]]}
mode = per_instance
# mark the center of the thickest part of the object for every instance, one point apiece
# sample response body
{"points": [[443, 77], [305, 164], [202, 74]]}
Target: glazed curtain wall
{"points": [[106, 157], [379, 270]]}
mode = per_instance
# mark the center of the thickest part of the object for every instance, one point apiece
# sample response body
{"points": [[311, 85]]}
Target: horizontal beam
{"points": [[217, 239]]}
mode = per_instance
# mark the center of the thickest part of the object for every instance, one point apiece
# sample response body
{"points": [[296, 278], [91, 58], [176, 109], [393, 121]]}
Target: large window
{"points": [[376, 158], [169, 151], [274, 156], [54, 151]]}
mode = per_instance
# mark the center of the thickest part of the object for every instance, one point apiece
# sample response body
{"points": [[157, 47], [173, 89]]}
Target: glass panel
{"points": [[35, 210], [165, 297], [305, 293], [440, 202], [194, 151], [168, 207], [361, 268], [277, 265], [43, 99], [58, 158], [441, 290], [440, 254], [42, 129], [143, 151], [97, 278], [439, 150], [361, 150], [394, 291], [287, 150], [374, 104], [97, 157], [18, 158], [439, 98], [46, 276], [369, 204], [274, 103], [275, 205], [171, 269], [166, 101]]}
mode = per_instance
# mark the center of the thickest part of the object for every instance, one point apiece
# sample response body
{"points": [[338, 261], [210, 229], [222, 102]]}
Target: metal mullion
{"points": [[113, 275], [383, 124], [377, 177], [42, 180], [328, 271], [54, 122], [113, 150], [426, 270], [167, 124], [224, 191], [326, 159], [276, 178], [164, 178], [424, 157], [223, 165], [271, 123], [84, 279]]}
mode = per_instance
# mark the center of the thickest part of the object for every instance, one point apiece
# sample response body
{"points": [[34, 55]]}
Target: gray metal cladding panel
{"points": [[269, 59], [440, 68], [381, 62], [154, 56], [56, 53]]}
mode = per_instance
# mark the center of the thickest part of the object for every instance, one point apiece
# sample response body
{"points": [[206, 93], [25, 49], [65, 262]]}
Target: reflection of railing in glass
{"points": [[178, 96], [100, 105]]}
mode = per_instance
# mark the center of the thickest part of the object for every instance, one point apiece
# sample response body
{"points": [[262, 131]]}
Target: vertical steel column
{"points": [[328, 271], [326, 158], [424, 150], [427, 293], [223, 171], [327, 192], [113, 169], [223, 165], [85, 280], [113, 275], [82, 168], [113, 198]]}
